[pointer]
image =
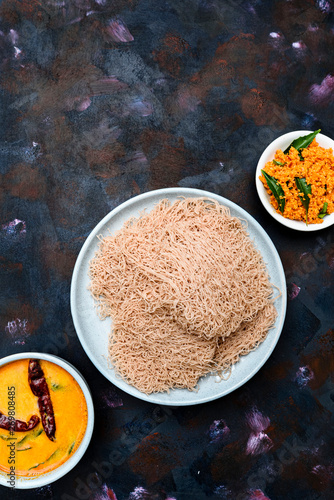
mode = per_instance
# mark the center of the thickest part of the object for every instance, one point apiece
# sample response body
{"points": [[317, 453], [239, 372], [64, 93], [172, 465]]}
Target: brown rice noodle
{"points": [[187, 291]]}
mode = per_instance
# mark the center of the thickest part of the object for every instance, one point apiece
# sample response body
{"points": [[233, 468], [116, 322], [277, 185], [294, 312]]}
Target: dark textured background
{"points": [[102, 100]]}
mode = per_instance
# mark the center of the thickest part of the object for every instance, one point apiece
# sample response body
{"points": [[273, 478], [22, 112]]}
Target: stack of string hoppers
{"points": [[187, 291]]}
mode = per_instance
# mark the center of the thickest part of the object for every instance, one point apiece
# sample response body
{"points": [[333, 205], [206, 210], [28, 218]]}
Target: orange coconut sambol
{"points": [[300, 180]]}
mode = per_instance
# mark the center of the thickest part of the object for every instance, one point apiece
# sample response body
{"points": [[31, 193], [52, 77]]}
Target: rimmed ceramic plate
{"points": [[25, 482], [93, 333], [268, 154]]}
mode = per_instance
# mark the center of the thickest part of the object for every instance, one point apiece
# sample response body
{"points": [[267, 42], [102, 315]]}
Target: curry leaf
{"points": [[47, 460], [323, 211], [276, 189], [71, 448], [305, 190], [276, 162], [302, 142]]}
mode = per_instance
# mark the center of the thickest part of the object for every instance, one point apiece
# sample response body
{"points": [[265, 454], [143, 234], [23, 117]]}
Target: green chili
{"points": [[71, 448], [276, 162], [47, 460], [323, 211], [56, 387], [302, 143]]}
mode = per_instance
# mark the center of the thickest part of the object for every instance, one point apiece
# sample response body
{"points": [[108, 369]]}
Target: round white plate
{"points": [[93, 333], [268, 154]]}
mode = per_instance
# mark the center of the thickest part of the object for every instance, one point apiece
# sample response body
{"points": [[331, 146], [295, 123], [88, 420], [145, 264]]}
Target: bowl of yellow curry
{"points": [[295, 180], [46, 419]]}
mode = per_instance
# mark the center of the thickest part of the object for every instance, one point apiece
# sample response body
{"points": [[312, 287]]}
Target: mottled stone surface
{"points": [[102, 100]]}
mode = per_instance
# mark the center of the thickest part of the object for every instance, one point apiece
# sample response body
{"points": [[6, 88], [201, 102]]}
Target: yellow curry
{"points": [[32, 452]]}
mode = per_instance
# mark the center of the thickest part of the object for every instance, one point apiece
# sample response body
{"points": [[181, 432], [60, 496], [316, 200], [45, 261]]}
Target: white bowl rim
{"points": [[282, 142], [22, 482]]}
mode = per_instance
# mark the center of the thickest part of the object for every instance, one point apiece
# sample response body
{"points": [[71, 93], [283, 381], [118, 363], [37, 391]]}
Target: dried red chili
{"points": [[39, 388], [11, 424]]}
